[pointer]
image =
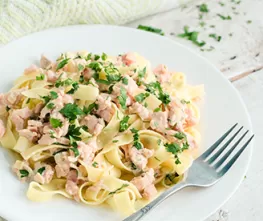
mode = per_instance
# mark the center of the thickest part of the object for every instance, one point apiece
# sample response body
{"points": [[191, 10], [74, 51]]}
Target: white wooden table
{"points": [[239, 55]]}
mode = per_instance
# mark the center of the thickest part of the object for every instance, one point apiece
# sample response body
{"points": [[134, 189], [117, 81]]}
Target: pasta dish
{"points": [[100, 129]]}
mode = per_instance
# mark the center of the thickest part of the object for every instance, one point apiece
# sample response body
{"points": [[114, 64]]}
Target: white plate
{"points": [[223, 107]]}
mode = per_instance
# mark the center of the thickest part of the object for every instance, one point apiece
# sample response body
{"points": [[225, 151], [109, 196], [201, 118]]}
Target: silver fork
{"points": [[205, 171]]}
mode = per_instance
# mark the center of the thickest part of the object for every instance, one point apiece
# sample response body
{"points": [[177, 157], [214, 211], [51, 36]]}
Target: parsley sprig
{"points": [[151, 29], [191, 36], [136, 139], [122, 98], [124, 124], [71, 111]]}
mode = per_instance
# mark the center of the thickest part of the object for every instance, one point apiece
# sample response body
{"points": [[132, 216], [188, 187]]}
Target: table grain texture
{"points": [[239, 55]]}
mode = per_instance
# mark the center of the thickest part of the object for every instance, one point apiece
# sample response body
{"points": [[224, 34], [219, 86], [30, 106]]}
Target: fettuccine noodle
{"points": [[100, 129]]}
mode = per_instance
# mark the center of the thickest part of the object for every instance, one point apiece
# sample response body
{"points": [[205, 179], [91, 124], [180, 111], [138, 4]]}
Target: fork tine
{"points": [[215, 145], [233, 160], [220, 151], [222, 160]]}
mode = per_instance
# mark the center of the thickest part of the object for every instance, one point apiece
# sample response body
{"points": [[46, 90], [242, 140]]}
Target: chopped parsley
{"points": [[71, 111], [122, 98], [41, 170], [115, 141], [249, 21], [191, 36], [66, 82], [75, 150], [120, 188], [90, 108], [62, 63], [125, 81], [180, 135], [133, 166], [159, 141], [96, 57], [158, 109], [141, 73], [124, 124], [174, 148], [81, 79], [80, 67], [136, 143], [203, 8], [95, 164], [224, 17], [7, 108], [96, 66], [75, 87], [53, 95], [50, 105], [155, 86], [183, 101], [28, 100], [23, 173], [74, 133], [55, 123], [165, 98], [104, 56], [216, 37], [41, 77], [60, 151], [88, 57], [141, 97], [151, 29], [221, 3], [202, 23]]}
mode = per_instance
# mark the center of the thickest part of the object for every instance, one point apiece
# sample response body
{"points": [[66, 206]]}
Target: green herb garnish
{"points": [[115, 191], [80, 67], [191, 36], [125, 81], [104, 56], [55, 123], [183, 101], [224, 17], [75, 87], [124, 124], [75, 151], [216, 37], [122, 98], [136, 143], [41, 77], [141, 97], [41, 170], [62, 63], [115, 141], [203, 8], [151, 29], [71, 111], [23, 173], [50, 105], [60, 151], [180, 135], [90, 108], [95, 164], [53, 95]]}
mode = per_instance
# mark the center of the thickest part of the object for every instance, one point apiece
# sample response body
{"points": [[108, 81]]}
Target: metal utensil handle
{"points": [[142, 212]]}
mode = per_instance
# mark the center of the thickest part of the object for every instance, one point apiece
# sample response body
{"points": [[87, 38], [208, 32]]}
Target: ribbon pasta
{"points": [[101, 129]]}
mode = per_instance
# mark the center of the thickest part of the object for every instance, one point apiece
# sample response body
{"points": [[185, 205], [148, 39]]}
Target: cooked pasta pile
{"points": [[100, 129]]}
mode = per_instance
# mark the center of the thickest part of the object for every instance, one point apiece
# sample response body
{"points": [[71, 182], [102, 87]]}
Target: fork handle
{"points": [[143, 211]]}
